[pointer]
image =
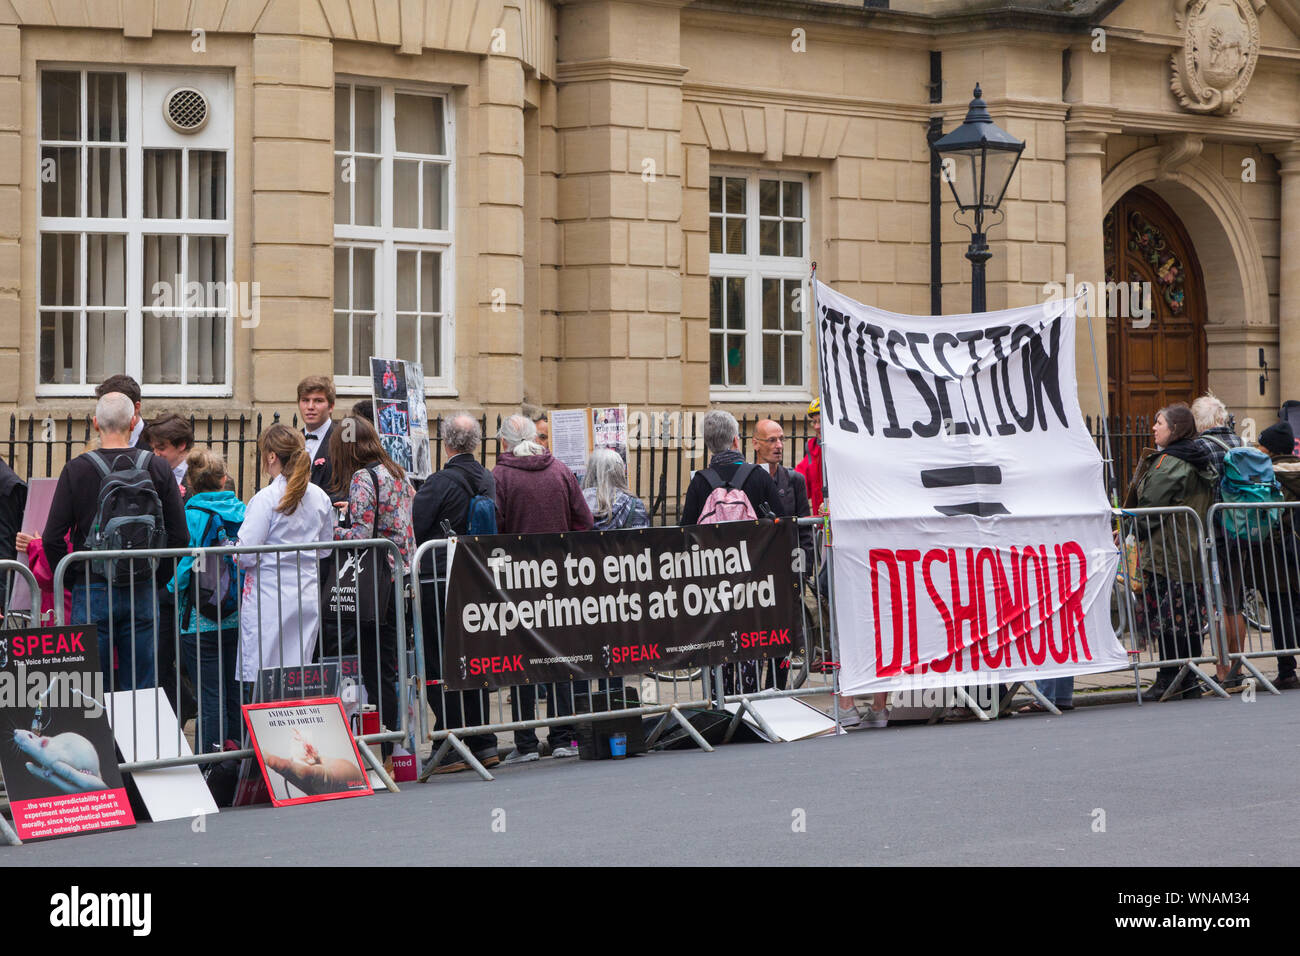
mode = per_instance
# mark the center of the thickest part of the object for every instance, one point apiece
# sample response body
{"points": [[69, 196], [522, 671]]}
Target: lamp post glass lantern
{"points": [[977, 159]]}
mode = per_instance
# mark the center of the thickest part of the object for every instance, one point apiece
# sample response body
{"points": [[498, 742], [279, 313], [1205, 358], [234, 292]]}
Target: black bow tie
{"points": [[310, 437]]}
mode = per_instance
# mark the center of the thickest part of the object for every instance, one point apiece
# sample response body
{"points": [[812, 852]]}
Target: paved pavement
{"points": [[1192, 783]]}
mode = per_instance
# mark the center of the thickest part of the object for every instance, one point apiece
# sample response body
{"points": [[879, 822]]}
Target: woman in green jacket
{"points": [[1178, 472]]}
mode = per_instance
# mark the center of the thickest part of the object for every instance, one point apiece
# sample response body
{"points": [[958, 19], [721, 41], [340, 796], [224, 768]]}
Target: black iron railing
{"points": [[664, 448]]}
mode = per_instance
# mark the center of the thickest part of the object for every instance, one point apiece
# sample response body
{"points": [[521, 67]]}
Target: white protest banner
{"points": [[972, 538]]}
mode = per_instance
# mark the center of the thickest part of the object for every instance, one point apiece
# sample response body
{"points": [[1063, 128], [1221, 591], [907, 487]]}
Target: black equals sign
{"points": [[961, 476]]}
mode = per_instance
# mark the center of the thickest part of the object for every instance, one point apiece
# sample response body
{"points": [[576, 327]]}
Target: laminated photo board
{"points": [[577, 432], [401, 417]]}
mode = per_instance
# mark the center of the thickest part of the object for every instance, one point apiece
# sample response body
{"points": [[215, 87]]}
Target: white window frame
{"points": [[754, 268], [387, 239], [135, 227]]}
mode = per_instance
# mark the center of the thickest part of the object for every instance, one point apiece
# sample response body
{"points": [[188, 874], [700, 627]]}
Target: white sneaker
{"points": [[516, 757], [876, 718], [847, 718], [564, 751]]}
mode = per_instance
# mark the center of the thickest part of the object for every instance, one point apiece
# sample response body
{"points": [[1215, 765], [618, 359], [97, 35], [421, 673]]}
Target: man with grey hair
{"points": [[1218, 438], [441, 509], [728, 469], [537, 494], [722, 439], [73, 512]]}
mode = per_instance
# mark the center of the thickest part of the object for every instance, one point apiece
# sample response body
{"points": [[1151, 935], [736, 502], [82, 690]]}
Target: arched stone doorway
{"points": [[1152, 363]]}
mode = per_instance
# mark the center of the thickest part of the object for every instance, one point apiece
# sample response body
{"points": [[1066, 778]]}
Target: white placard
{"points": [[149, 729]]}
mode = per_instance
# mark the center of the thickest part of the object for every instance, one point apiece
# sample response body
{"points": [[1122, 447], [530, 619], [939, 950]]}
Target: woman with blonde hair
{"points": [[280, 613]]}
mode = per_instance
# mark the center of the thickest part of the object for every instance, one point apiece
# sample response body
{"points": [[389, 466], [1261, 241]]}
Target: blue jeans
{"points": [[209, 660], [1059, 690], [132, 630]]}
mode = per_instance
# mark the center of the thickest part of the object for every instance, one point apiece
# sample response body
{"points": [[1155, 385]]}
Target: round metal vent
{"points": [[186, 110]]}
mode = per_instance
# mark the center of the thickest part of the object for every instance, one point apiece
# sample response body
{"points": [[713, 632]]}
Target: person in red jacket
{"points": [[537, 494], [811, 466]]}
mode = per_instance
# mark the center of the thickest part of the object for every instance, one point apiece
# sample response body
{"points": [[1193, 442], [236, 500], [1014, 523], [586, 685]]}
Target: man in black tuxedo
{"points": [[316, 398]]}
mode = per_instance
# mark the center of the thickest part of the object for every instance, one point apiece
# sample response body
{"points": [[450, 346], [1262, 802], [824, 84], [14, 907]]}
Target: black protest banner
{"points": [[59, 762], [555, 607]]}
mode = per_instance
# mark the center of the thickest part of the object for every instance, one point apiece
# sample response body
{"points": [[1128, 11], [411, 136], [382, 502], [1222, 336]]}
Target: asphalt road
{"points": [[1192, 783]]}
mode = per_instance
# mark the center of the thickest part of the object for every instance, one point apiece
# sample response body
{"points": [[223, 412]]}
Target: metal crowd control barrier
{"points": [[297, 622], [469, 714], [1255, 565], [465, 714], [1164, 609], [30, 615], [816, 670]]}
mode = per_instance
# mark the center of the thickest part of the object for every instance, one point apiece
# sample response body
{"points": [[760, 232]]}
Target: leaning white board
{"points": [[170, 793], [789, 718]]}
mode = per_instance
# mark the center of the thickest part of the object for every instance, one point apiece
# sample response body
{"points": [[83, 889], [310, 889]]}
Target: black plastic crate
{"points": [[593, 735]]}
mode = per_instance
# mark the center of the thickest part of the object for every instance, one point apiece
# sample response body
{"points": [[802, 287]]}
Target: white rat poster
{"points": [[59, 761]]}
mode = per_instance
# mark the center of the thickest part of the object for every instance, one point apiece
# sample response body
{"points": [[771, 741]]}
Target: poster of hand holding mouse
{"points": [[58, 758]]}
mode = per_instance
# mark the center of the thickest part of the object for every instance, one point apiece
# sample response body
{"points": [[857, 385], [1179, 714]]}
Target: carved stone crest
{"points": [[1220, 49]]}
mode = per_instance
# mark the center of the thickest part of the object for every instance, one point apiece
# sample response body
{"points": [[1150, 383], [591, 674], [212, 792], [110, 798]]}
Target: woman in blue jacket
{"points": [[208, 598]]}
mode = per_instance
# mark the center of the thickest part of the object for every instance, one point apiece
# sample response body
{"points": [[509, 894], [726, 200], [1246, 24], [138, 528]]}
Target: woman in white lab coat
{"points": [[280, 613]]}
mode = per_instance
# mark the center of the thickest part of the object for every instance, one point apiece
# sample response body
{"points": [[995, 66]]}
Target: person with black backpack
{"points": [[116, 498], [459, 499], [207, 592]]}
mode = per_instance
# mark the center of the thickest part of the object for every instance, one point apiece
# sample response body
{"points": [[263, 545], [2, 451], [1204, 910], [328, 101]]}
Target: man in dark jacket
{"points": [[722, 441], [792, 487], [442, 508], [537, 494], [130, 609], [1280, 577], [13, 501], [316, 399]]}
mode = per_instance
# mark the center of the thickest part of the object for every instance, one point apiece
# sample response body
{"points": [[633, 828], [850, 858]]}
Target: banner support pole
{"points": [[1101, 401], [826, 534]]}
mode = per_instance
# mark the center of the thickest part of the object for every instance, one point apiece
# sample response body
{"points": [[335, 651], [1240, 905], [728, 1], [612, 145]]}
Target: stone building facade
{"points": [[619, 201]]}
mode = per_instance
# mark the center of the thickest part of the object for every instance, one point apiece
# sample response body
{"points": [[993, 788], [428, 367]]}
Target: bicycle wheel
{"points": [[689, 674], [1256, 610]]}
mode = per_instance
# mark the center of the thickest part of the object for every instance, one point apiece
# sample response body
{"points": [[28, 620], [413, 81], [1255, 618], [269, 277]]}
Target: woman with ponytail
{"points": [[280, 611]]}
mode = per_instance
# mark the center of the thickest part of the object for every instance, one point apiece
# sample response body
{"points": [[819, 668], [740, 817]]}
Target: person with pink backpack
{"points": [[730, 488]]}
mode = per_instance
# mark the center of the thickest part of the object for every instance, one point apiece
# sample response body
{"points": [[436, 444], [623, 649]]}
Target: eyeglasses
{"points": [[766, 440]]}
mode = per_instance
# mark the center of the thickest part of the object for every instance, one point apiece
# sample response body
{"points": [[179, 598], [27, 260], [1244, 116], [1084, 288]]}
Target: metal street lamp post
{"points": [[977, 159]]}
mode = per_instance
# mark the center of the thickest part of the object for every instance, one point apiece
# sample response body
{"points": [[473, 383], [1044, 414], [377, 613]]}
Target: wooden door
{"points": [[1153, 364]]}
